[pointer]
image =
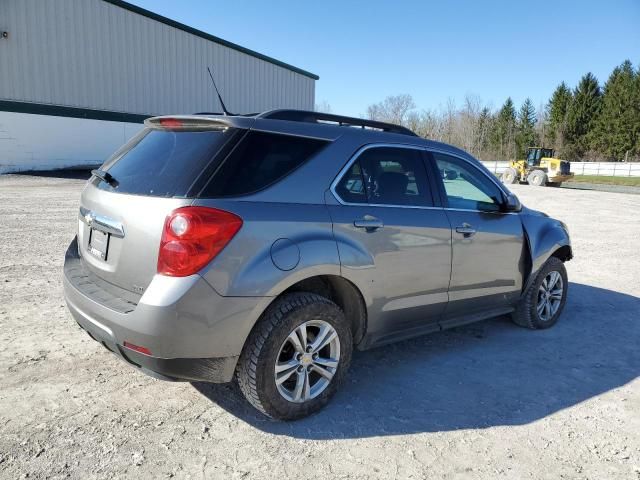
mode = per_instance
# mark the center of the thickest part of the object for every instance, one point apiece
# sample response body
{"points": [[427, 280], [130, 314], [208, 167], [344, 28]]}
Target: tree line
{"points": [[588, 122]]}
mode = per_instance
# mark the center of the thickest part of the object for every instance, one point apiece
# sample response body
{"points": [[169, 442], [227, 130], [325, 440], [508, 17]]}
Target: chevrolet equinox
{"points": [[265, 248]]}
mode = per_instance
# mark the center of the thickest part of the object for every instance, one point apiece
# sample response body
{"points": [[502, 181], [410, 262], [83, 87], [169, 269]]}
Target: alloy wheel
{"points": [[307, 361], [549, 296]]}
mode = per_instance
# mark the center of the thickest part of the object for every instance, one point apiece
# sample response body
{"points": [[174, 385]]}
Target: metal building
{"points": [[77, 77]]}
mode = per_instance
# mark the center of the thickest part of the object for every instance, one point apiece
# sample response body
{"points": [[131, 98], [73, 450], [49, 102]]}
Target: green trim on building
{"points": [[70, 112], [206, 36]]}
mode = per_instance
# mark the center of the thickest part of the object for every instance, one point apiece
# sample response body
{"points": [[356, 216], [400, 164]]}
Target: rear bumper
{"points": [[192, 332], [215, 370]]}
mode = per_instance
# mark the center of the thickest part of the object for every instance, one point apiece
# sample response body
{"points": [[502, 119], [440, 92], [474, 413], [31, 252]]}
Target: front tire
{"points": [[509, 176], [296, 356], [537, 178], [543, 302]]}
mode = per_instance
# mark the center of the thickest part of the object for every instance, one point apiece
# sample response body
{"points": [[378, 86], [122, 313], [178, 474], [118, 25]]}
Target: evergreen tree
{"points": [[616, 130], [581, 116], [557, 109], [636, 122], [503, 134], [526, 134]]}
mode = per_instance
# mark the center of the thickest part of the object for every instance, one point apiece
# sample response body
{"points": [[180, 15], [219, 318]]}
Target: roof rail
{"points": [[329, 118]]}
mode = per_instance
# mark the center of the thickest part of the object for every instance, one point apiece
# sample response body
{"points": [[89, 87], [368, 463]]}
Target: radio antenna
{"points": [[224, 109]]}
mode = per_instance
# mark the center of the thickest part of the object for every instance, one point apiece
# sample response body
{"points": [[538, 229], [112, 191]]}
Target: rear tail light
{"points": [[192, 237]]}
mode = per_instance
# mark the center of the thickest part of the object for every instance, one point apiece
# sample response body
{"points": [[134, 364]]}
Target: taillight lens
{"points": [[192, 237]]}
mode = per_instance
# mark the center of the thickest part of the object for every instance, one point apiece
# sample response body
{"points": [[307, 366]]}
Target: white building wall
{"points": [[43, 142]]}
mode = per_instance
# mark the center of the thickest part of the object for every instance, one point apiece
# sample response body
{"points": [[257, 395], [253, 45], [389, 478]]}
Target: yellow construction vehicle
{"points": [[540, 168]]}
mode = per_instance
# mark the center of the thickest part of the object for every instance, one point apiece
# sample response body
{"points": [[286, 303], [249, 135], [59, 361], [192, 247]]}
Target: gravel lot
{"points": [[486, 401], [602, 187]]}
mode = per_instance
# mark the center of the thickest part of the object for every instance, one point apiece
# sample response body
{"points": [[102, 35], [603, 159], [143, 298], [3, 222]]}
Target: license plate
{"points": [[98, 243]]}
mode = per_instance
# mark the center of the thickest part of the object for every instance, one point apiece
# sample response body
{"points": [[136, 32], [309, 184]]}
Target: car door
{"points": [[394, 240], [487, 242]]}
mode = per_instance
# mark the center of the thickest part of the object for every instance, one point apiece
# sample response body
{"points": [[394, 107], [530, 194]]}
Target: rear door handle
{"points": [[369, 223], [466, 230]]}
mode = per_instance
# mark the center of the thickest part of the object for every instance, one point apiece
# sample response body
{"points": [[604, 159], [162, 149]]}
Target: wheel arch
{"points": [[337, 289], [343, 293], [545, 238]]}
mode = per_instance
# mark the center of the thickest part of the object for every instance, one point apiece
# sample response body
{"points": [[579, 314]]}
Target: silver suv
{"points": [[265, 248]]}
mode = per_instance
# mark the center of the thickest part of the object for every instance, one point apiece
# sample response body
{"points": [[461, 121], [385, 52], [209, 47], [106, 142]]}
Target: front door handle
{"points": [[369, 223], [466, 230]]}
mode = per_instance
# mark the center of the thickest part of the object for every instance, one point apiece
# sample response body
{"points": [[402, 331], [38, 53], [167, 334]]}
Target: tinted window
{"points": [[351, 186], [163, 163], [395, 176], [259, 160], [466, 186]]}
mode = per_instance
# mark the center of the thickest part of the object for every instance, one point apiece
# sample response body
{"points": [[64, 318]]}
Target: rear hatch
{"points": [[124, 206]]}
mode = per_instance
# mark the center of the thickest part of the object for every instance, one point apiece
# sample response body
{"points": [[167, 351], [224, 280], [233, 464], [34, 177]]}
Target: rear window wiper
{"points": [[105, 177]]}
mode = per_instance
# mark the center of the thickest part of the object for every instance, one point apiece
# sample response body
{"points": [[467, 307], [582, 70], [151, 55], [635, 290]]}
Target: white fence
{"points": [[615, 169]]}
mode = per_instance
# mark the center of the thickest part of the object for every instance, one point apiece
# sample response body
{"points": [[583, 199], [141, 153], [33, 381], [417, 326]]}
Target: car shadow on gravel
{"points": [[67, 173], [483, 375]]}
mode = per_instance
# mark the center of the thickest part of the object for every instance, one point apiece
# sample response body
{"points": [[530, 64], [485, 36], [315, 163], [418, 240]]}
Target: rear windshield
{"points": [[164, 163], [260, 160]]}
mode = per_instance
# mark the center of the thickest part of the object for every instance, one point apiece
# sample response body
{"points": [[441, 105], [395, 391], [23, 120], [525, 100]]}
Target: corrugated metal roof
{"points": [[207, 36]]}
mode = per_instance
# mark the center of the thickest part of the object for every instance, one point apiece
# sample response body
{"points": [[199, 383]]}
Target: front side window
{"points": [[466, 186], [387, 176]]}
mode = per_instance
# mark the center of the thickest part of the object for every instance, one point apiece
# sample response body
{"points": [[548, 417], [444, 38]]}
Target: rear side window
{"points": [[260, 160], [387, 176], [164, 163]]}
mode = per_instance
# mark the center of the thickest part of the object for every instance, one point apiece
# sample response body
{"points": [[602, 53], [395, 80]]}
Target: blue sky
{"points": [[364, 51]]}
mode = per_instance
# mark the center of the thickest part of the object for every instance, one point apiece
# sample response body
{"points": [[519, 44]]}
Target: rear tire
{"points": [[549, 288], [509, 176], [537, 178], [279, 371]]}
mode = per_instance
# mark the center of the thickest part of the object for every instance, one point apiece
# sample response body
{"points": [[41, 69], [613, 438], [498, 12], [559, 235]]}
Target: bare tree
{"points": [[323, 107], [469, 123], [542, 122], [393, 109], [450, 113], [471, 126], [429, 125]]}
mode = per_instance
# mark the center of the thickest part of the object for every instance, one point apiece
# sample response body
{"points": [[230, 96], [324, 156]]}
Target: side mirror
{"points": [[512, 204]]}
